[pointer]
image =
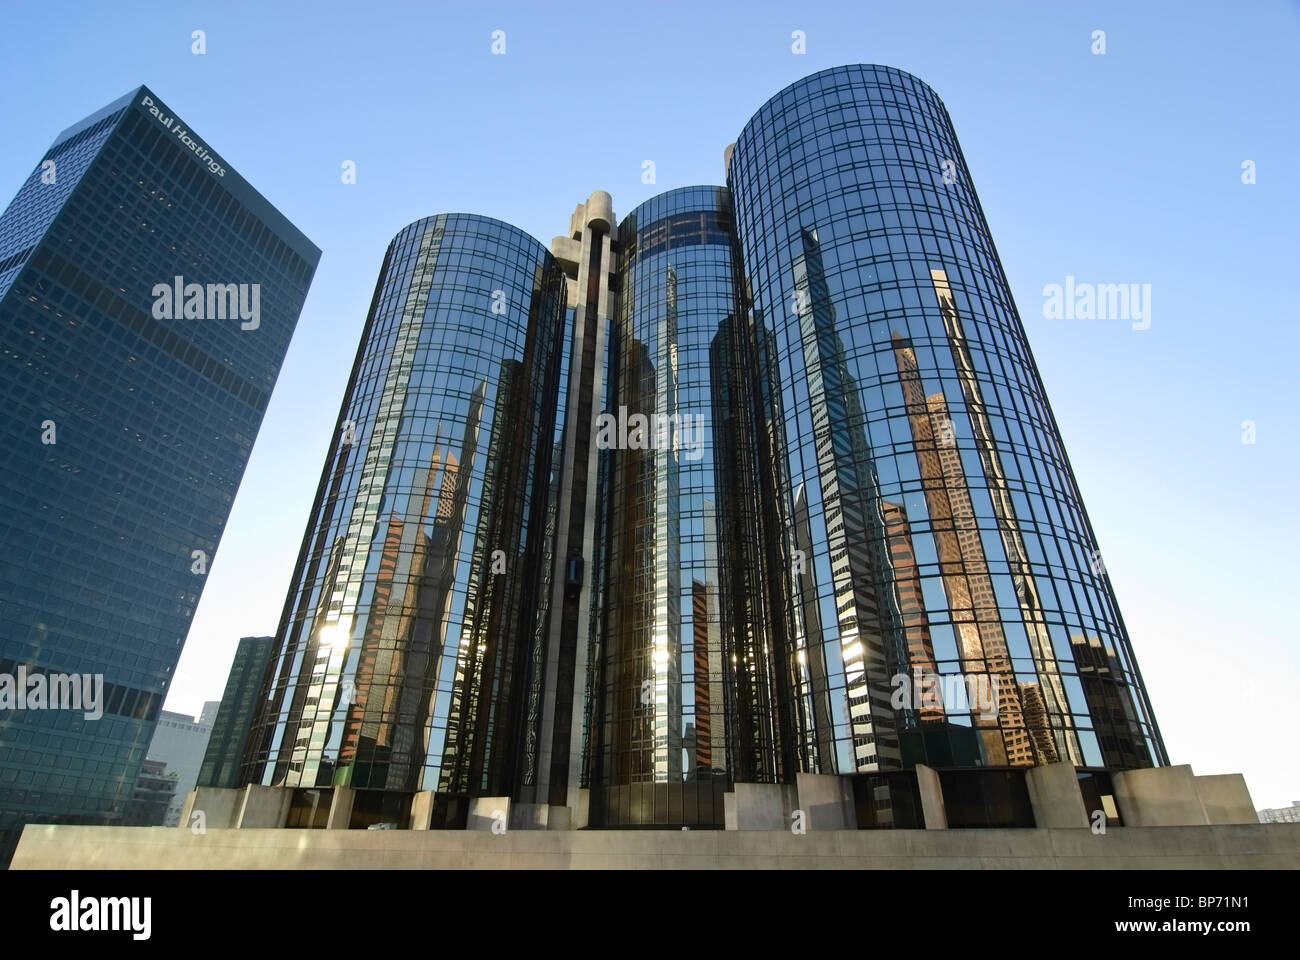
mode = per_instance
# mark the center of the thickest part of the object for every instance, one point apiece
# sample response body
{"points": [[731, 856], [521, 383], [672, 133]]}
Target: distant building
{"points": [[1289, 814], [155, 789], [220, 767], [179, 741]]}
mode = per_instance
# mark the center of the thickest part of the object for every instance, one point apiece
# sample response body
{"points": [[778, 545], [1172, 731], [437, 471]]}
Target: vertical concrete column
{"points": [[1055, 795], [218, 805], [1225, 799], [932, 809], [1159, 797], [484, 812], [340, 817], [826, 801], [422, 809], [264, 807]]}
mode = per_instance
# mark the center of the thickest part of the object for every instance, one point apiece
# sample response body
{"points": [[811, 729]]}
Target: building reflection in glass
{"points": [[406, 660], [661, 705], [927, 518]]}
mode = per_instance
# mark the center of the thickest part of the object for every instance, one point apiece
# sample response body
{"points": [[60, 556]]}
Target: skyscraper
{"points": [[407, 654], [225, 750], [147, 297], [953, 411], [793, 449]]}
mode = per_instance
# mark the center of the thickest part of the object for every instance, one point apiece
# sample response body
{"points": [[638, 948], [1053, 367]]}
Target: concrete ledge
{"points": [[1250, 846]]}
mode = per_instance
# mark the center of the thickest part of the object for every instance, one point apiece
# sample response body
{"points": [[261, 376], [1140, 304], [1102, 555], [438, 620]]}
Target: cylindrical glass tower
{"points": [[940, 590], [409, 651], [658, 741]]}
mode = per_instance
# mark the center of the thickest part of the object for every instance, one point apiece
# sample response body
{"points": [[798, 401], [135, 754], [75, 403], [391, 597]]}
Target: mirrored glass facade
{"points": [[408, 656], [126, 428], [928, 519], [658, 713], [774, 486]]}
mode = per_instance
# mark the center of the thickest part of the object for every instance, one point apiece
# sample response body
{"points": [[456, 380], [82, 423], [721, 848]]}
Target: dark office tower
{"points": [[908, 405], [409, 650], [147, 298], [220, 767], [658, 662]]}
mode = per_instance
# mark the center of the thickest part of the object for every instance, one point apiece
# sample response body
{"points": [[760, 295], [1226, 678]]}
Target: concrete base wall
{"points": [[484, 812], [264, 808], [758, 806], [1159, 797], [1260, 845], [826, 801], [1055, 795], [529, 816], [1225, 799], [219, 805]]}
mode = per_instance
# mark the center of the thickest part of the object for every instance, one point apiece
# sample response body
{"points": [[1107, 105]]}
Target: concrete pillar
{"points": [[529, 816], [757, 806], [486, 811], [340, 817], [559, 818], [1159, 797], [582, 811], [219, 805], [1055, 795], [927, 781], [1225, 799], [826, 801], [422, 809], [264, 807]]}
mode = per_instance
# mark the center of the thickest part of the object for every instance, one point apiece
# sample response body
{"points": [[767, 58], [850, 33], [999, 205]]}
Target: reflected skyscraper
{"points": [[405, 657], [844, 171]]}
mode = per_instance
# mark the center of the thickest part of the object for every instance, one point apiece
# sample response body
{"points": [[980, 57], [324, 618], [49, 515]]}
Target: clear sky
{"points": [[1117, 168]]}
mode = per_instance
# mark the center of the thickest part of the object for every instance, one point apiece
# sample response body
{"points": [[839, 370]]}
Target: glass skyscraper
{"points": [[225, 750], [406, 660], [930, 519], [784, 496], [147, 298]]}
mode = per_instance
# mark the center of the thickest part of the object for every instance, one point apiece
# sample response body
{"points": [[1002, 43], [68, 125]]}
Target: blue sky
{"points": [[1119, 168]]}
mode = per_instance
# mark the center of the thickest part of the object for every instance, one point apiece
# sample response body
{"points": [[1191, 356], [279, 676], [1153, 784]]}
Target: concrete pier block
{"points": [[1159, 797], [1055, 796]]}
